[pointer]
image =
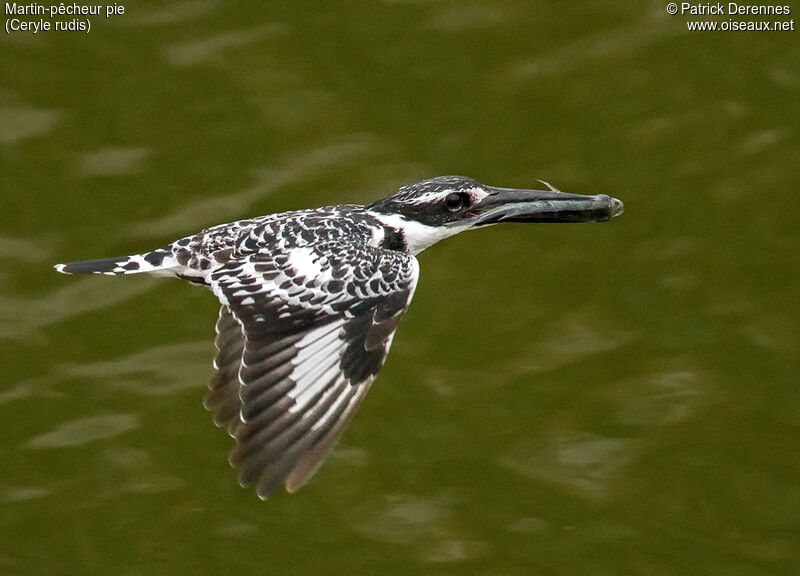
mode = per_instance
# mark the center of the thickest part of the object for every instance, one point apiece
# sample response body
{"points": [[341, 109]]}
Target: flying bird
{"points": [[310, 301]]}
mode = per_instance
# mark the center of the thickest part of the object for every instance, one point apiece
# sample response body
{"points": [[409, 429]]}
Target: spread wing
{"points": [[300, 338]]}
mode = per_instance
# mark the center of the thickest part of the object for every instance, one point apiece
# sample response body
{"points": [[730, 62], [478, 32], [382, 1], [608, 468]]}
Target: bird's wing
{"points": [[300, 337], [223, 387]]}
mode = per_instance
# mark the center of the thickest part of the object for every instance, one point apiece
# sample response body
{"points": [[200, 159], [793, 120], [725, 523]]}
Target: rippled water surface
{"points": [[616, 398]]}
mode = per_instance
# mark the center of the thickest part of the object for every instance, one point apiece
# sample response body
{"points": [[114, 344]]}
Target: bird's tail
{"points": [[158, 262]]}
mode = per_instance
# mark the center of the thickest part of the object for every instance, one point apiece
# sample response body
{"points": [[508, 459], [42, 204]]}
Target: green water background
{"points": [[615, 398]]}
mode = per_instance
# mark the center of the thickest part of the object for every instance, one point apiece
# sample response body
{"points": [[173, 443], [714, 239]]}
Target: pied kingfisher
{"points": [[310, 301]]}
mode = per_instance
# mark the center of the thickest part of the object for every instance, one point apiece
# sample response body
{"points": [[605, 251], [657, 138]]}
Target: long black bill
{"points": [[512, 205]]}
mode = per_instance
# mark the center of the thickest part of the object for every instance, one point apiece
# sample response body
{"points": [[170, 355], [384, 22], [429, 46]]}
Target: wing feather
{"points": [[310, 462], [223, 395], [297, 352]]}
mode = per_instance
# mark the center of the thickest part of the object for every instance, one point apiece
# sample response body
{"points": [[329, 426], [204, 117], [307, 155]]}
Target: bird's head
{"points": [[430, 210]]}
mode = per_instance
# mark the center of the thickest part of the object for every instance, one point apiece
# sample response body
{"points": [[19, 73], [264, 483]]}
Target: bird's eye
{"points": [[455, 201]]}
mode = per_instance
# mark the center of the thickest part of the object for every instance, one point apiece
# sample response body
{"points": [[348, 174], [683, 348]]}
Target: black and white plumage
{"points": [[310, 301]]}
